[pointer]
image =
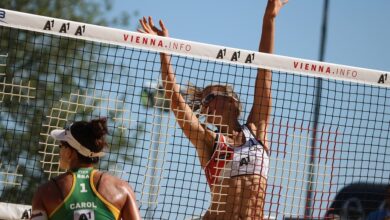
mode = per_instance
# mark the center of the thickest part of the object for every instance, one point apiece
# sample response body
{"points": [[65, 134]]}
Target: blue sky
{"points": [[358, 30]]}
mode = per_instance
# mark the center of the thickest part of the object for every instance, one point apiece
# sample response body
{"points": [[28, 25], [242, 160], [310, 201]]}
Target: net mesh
{"points": [[339, 166]]}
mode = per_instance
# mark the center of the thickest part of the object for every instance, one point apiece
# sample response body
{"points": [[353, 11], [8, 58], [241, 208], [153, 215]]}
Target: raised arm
{"points": [[259, 116], [200, 137]]}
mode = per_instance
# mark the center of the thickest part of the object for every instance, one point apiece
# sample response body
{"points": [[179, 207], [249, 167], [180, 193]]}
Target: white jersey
{"points": [[247, 159]]}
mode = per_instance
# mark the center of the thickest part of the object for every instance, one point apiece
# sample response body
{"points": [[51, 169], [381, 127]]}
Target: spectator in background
{"points": [[384, 211]]}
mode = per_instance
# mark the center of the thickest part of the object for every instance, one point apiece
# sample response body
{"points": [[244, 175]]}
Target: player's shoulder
{"points": [[106, 177], [48, 183], [44, 188], [51, 183], [113, 184]]}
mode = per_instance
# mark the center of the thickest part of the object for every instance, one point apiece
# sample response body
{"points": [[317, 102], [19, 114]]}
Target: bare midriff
{"points": [[240, 197]]}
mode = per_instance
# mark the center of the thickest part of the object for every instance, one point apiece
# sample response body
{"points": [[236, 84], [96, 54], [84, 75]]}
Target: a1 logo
{"points": [[84, 214]]}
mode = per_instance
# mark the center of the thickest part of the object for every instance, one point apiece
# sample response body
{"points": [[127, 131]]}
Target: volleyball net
{"points": [[334, 161]]}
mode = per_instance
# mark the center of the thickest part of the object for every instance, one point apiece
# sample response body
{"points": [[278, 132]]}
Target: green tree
{"points": [[55, 67]]}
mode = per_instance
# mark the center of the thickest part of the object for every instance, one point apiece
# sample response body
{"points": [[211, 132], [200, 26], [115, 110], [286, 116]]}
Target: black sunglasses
{"points": [[208, 98]]}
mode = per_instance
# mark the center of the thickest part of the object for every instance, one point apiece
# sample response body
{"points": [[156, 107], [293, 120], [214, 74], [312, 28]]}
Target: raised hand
{"points": [[149, 27], [273, 7]]}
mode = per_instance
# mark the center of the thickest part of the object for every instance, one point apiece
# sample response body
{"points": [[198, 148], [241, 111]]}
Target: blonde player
{"points": [[235, 158]]}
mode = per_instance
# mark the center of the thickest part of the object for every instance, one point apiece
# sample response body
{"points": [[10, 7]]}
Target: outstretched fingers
{"points": [[162, 25], [164, 30], [144, 25], [148, 26], [151, 24]]}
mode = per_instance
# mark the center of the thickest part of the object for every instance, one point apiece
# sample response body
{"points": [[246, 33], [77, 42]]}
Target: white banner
{"points": [[125, 38], [11, 211]]}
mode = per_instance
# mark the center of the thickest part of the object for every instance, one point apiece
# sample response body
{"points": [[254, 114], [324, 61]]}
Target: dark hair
{"points": [[91, 135]]}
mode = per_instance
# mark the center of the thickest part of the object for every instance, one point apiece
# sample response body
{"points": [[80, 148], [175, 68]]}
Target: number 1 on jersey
{"points": [[83, 190]]}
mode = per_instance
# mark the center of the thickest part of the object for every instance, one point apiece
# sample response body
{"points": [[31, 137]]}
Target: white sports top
{"points": [[228, 161]]}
